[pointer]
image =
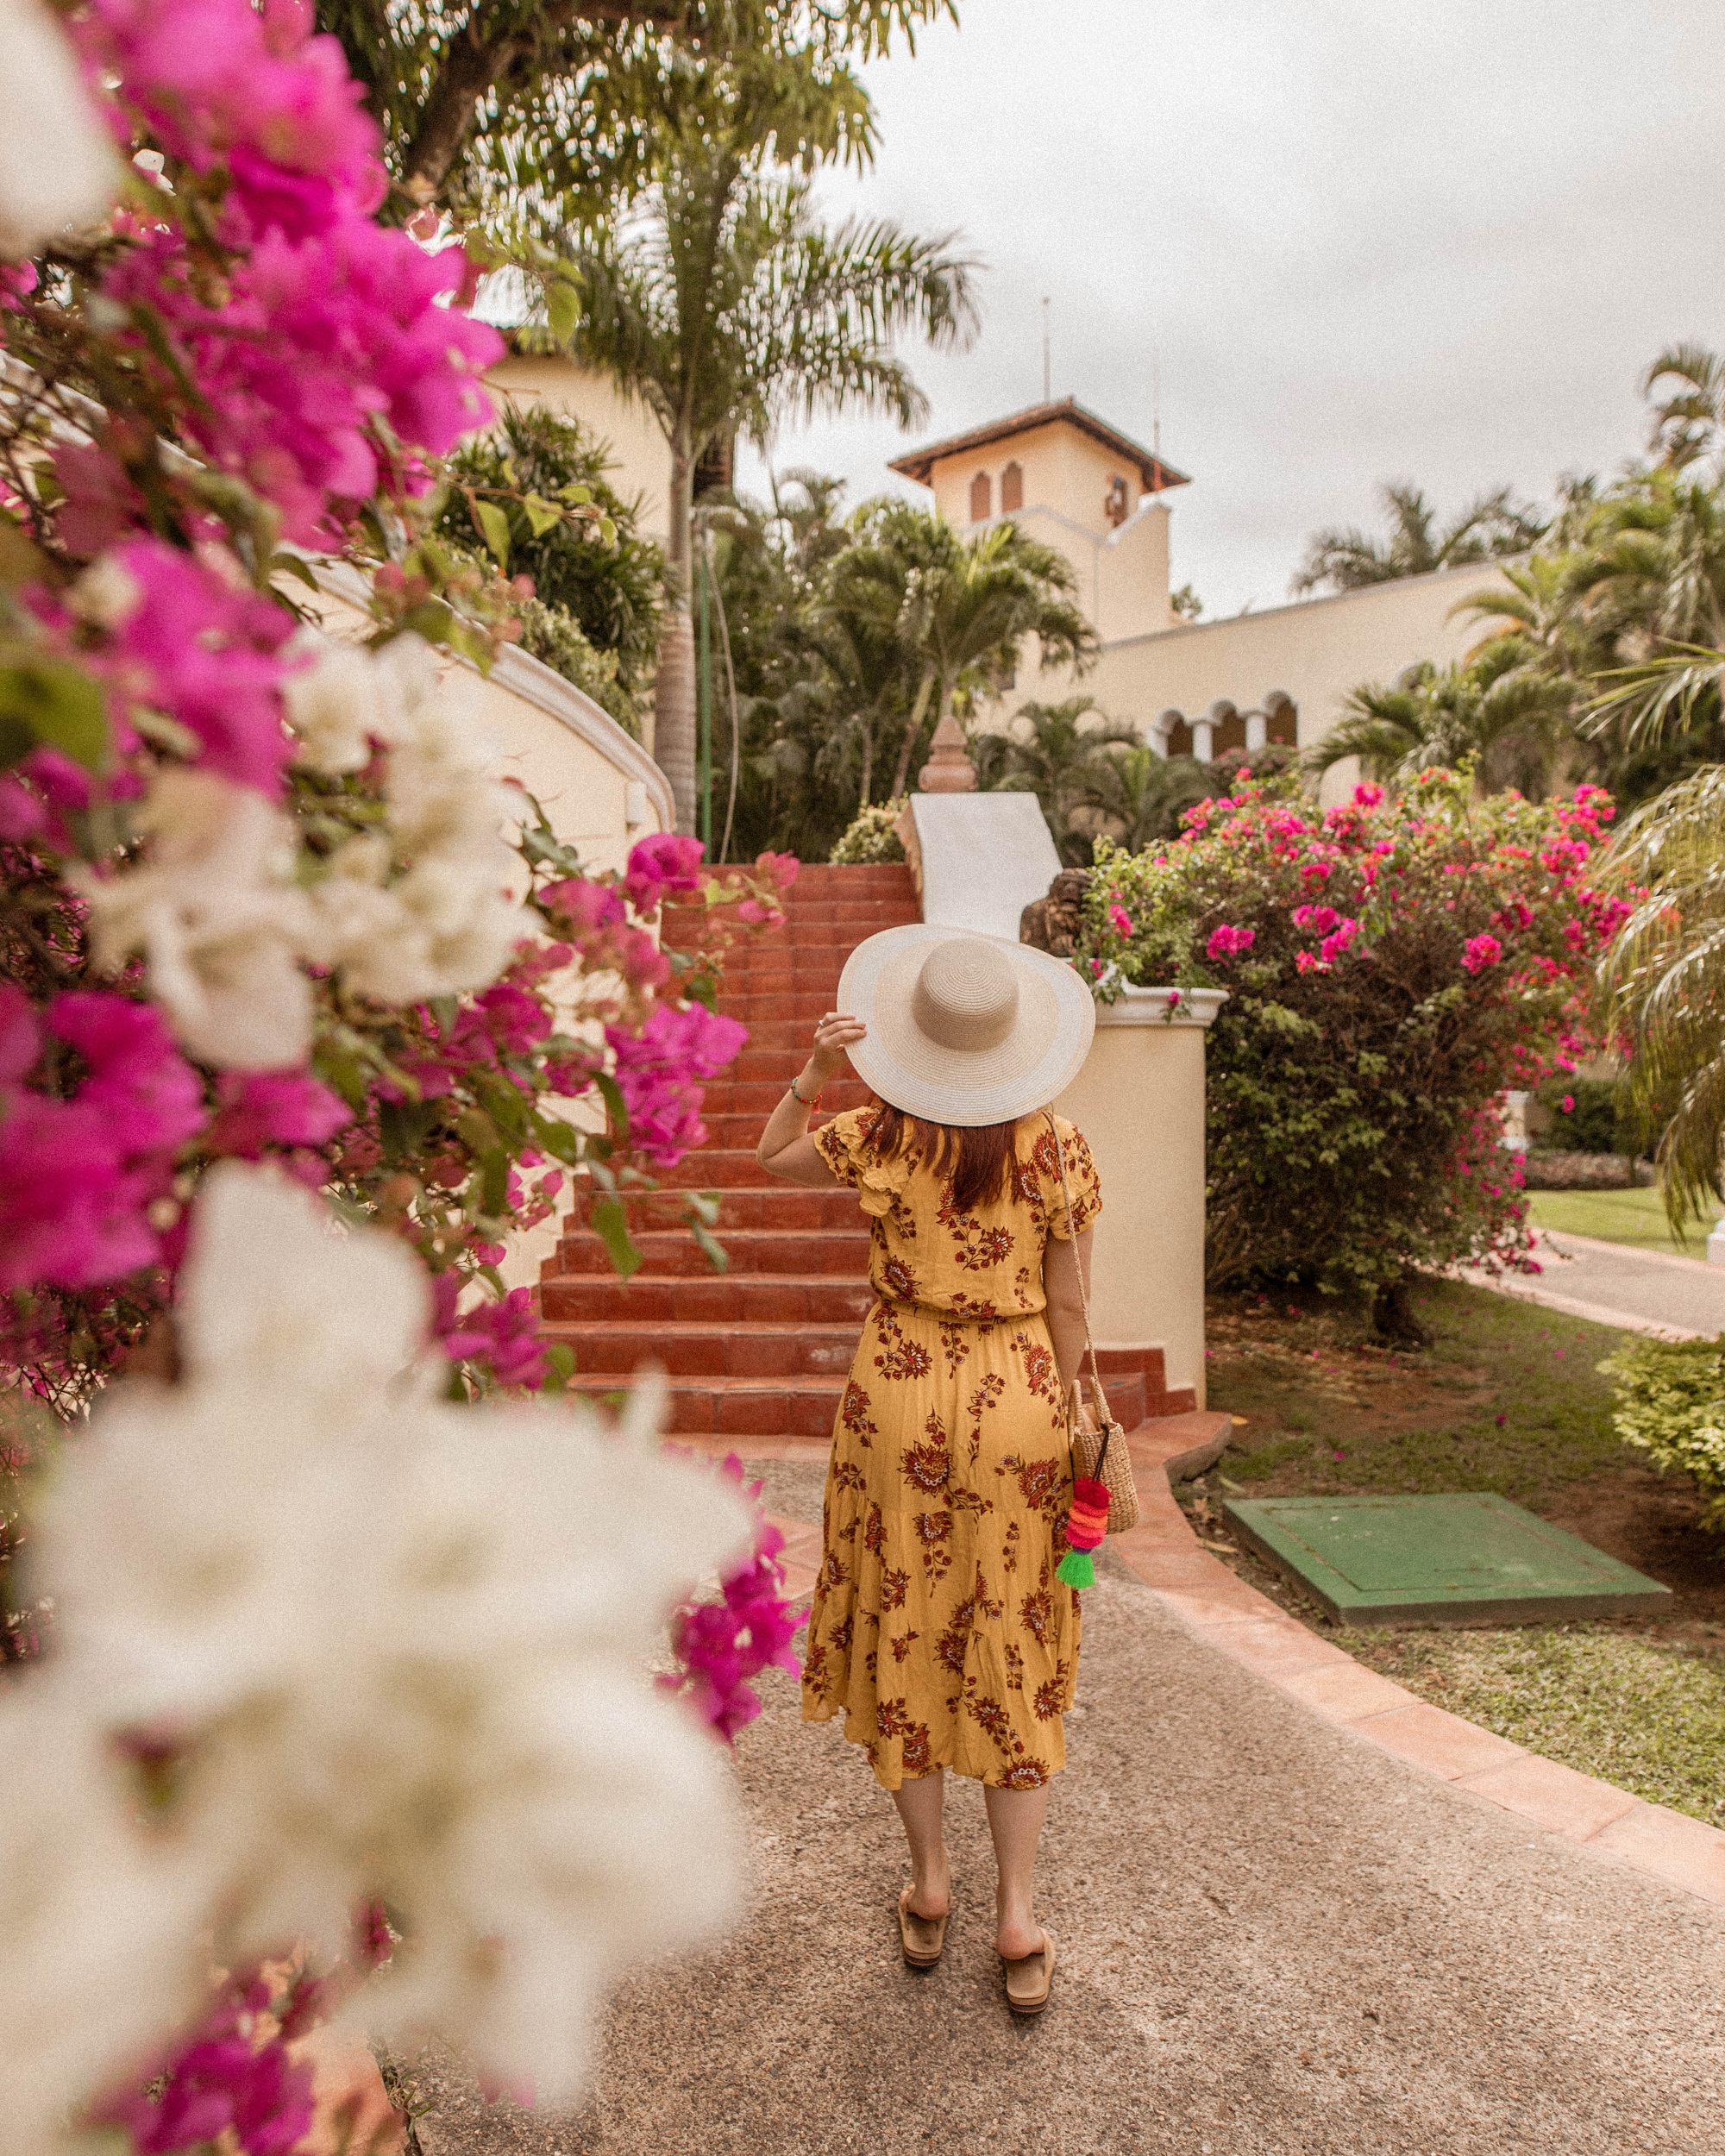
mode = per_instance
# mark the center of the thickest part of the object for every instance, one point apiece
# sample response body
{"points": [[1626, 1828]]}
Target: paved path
{"points": [[1278, 1939], [1643, 1291]]}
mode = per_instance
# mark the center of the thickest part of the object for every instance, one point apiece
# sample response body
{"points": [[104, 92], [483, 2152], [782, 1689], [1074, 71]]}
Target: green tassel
{"points": [[1077, 1570]]}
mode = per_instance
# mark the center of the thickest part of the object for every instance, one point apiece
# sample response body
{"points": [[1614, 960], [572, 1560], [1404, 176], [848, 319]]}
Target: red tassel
{"points": [[1088, 1521]]}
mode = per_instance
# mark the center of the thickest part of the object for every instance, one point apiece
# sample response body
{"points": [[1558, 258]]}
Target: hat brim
{"points": [[1040, 1056]]}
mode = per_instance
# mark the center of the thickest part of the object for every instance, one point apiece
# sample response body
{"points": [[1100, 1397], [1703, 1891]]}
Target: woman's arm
{"points": [[786, 1149], [1063, 1264]]}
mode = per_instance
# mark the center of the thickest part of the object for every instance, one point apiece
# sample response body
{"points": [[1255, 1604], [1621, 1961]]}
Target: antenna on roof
{"points": [[1156, 402], [1047, 391]]}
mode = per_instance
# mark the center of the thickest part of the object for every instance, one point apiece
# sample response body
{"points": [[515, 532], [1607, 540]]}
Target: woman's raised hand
{"points": [[834, 1037]]}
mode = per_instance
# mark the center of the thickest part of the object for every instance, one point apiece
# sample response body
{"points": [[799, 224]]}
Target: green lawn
{"points": [[1635, 1217], [1649, 1717], [1508, 1397]]}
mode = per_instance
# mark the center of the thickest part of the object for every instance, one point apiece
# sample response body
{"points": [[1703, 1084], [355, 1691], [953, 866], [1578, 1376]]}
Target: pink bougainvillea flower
{"points": [[1226, 943], [503, 1336], [187, 644], [1481, 951], [658, 1070], [1120, 921], [1367, 797], [1567, 1103], [79, 1175], [658, 864], [256, 1109], [724, 1645]]}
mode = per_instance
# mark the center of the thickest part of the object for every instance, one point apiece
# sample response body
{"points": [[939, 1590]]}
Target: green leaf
{"points": [[494, 527], [576, 494], [717, 1256], [563, 308], [494, 1184], [541, 516], [55, 704], [293, 565], [611, 1223], [560, 1358]]}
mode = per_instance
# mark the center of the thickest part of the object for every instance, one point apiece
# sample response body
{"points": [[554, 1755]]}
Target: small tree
{"points": [[1344, 558], [1391, 967]]}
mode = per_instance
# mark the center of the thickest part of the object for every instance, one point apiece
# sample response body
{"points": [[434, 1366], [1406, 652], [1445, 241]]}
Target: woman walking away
{"points": [[940, 1630]]}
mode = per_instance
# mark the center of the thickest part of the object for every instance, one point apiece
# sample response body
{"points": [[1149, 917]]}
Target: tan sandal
{"points": [[924, 1938], [1030, 1980]]}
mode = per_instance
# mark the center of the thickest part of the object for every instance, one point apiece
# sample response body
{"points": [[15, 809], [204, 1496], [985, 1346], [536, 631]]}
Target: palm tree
{"points": [[1689, 421], [1347, 559], [1665, 976], [1049, 749], [961, 609], [1508, 722], [721, 300], [1137, 797]]}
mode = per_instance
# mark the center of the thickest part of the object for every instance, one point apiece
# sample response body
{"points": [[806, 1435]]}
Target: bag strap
{"points": [[1098, 1397]]}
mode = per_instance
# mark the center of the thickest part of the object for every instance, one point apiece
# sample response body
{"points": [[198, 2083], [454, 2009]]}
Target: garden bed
{"points": [[1507, 1399]]}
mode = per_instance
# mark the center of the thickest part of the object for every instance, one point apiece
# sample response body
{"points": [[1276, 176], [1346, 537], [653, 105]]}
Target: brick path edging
{"points": [[1214, 1601]]}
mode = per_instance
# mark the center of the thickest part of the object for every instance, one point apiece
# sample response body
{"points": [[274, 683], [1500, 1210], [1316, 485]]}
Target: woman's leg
{"points": [[1015, 1818], [919, 1806]]}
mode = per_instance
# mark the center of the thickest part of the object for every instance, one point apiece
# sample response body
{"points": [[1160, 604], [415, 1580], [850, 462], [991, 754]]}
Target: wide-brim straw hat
{"points": [[963, 1029]]}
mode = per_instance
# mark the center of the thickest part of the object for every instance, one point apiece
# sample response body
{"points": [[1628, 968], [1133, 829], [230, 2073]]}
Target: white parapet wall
{"points": [[1140, 1101], [978, 859]]}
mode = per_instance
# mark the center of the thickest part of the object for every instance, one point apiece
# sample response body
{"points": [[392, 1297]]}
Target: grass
{"points": [[1508, 1398], [1634, 1217], [1650, 1718]]}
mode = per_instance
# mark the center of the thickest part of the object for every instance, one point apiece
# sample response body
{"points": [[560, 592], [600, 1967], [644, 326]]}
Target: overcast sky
{"points": [[1371, 239]]}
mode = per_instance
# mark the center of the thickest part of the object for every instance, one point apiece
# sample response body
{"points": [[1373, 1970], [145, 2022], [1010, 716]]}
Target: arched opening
{"points": [[1230, 725], [1179, 734], [981, 498], [1282, 714], [1012, 489]]}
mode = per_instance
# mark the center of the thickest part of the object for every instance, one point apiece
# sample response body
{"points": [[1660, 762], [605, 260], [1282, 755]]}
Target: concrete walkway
{"points": [[1278, 1938], [1643, 1291]]}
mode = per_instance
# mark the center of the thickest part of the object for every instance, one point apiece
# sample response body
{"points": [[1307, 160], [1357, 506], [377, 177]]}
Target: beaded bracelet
{"points": [[798, 1098]]}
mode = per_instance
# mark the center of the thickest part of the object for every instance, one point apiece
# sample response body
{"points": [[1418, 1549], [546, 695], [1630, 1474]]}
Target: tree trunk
{"points": [[676, 722], [1392, 1316], [913, 731], [868, 767]]}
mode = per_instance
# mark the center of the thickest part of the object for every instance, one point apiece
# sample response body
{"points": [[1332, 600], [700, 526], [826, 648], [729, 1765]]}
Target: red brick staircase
{"points": [[762, 1349]]}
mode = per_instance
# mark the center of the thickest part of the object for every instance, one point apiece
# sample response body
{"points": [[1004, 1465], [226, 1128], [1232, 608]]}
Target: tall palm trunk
{"points": [[675, 718], [913, 731]]}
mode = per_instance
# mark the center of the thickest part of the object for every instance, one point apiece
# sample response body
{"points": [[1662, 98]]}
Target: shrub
{"points": [[1671, 1403], [1583, 1118], [554, 637], [613, 587], [1391, 966], [870, 836]]}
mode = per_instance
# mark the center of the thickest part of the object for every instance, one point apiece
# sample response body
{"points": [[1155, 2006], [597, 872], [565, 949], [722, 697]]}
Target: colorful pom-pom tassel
{"points": [[1077, 1567], [1085, 1525]]}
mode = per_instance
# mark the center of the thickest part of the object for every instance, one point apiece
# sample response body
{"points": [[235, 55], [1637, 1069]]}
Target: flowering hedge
{"points": [[331, 1627], [1391, 967]]}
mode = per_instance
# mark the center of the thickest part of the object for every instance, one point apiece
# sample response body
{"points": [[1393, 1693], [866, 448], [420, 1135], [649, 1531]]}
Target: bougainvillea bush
{"points": [[302, 1014], [1391, 967]]}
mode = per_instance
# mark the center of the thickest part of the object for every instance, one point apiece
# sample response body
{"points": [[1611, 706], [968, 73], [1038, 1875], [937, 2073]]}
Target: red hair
{"points": [[978, 1162]]}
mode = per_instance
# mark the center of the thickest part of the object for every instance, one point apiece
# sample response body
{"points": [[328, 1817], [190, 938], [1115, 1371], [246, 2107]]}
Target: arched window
{"points": [[1230, 727], [981, 498], [1179, 736], [1012, 489], [1284, 715], [1116, 504]]}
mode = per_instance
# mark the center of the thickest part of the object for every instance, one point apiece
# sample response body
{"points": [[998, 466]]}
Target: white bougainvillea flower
{"points": [[95, 1919], [399, 1647], [425, 909], [216, 914], [57, 167]]}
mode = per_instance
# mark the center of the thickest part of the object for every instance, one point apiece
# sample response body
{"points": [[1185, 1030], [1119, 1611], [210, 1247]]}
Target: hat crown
{"points": [[966, 995]]}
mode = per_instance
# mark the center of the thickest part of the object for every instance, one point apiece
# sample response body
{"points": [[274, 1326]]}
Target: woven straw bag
{"points": [[1100, 1454]]}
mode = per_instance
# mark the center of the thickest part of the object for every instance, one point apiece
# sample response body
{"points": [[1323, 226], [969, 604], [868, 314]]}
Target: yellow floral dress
{"points": [[938, 1629]]}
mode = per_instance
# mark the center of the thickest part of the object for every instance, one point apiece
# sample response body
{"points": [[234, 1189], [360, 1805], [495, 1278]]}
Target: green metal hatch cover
{"points": [[1469, 1558]]}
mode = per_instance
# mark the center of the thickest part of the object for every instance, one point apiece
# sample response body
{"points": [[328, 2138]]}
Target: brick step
{"points": [[760, 1096], [739, 1407], [822, 1252], [861, 875], [758, 1350], [729, 1299], [767, 1205], [736, 1130]]}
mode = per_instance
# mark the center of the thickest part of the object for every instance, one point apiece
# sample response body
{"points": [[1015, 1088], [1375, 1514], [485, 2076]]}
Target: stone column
{"points": [[1140, 1101], [1257, 732]]}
